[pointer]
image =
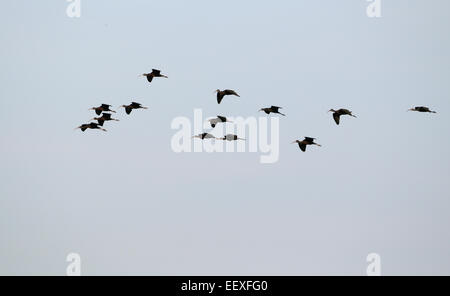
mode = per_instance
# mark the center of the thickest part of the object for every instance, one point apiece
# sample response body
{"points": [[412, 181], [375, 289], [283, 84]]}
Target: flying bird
{"points": [[102, 108], [105, 117], [91, 125], [133, 105], [307, 141], [223, 93], [272, 109], [422, 109], [337, 114], [218, 119], [231, 137], [153, 74], [204, 136]]}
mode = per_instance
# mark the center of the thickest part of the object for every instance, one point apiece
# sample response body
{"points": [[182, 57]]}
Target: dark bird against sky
{"points": [[91, 125], [307, 141], [105, 117], [422, 109], [338, 113], [272, 109], [102, 108], [153, 74], [223, 93], [133, 105]]}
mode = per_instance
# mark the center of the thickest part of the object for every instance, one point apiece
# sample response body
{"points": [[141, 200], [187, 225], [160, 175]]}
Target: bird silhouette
{"points": [[218, 119], [133, 105], [272, 109], [307, 141], [338, 113], [105, 117], [223, 93], [204, 136], [153, 74], [422, 109], [91, 125], [230, 137], [102, 108]]}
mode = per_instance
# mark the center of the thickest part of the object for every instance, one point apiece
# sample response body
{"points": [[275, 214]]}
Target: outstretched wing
{"points": [[309, 140], [128, 109], [336, 117], [302, 146], [105, 106], [150, 77], [230, 92], [106, 116], [135, 105], [275, 108], [222, 118], [220, 96], [156, 72]]}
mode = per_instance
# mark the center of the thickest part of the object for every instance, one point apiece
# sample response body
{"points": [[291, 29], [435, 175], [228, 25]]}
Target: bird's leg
{"points": [[317, 144], [281, 114]]}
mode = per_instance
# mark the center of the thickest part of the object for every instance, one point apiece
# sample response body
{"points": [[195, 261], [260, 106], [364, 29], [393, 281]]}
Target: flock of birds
{"points": [[106, 115]]}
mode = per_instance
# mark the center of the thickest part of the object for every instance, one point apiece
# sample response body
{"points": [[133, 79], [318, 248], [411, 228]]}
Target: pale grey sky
{"points": [[129, 205]]}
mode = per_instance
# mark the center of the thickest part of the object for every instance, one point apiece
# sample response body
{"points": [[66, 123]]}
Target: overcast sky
{"points": [[129, 205]]}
